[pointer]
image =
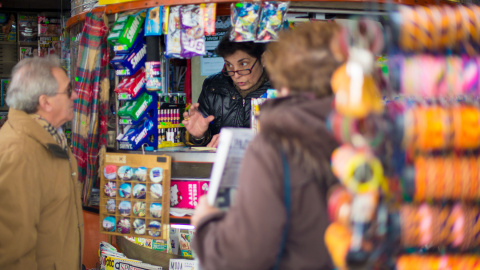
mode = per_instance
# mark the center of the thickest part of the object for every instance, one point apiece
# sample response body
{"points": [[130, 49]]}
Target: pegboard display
{"points": [[135, 195]]}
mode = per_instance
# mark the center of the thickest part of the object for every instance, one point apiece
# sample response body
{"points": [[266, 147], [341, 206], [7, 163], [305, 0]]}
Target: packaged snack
{"points": [[172, 38], [244, 21], [209, 15], [153, 22], [133, 25], [138, 107], [129, 64], [271, 20], [192, 31]]}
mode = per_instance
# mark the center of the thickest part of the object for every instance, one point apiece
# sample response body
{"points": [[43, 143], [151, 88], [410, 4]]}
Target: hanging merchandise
{"points": [[209, 14], [89, 126], [173, 36], [192, 31], [153, 65], [245, 17], [271, 20], [130, 87], [356, 91], [154, 21]]}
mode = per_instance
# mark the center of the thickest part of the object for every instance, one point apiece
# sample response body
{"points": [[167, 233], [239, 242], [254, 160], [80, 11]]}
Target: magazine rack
{"points": [[112, 176]]}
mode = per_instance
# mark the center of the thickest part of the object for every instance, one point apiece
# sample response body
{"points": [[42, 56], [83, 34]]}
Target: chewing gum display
{"points": [[172, 39], [209, 15], [129, 64], [271, 20], [244, 21], [136, 107], [117, 29], [153, 22], [137, 135], [125, 49], [131, 86], [132, 27], [192, 31]]}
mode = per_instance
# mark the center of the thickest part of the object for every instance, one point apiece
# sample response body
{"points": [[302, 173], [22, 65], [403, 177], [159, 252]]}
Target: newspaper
{"points": [[223, 179]]}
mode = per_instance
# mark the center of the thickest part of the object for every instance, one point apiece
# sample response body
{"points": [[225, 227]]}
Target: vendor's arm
{"points": [[20, 190], [254, 224]]}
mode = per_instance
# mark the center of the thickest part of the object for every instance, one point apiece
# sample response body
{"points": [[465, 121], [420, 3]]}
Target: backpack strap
{"points": [[288, 204]]}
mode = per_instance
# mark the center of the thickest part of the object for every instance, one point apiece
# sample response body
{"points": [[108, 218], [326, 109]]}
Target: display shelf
{"points": [[223, 7]]}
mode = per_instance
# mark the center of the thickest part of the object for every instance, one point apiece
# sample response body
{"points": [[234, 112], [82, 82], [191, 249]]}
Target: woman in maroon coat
{"points": [[249, 235]]}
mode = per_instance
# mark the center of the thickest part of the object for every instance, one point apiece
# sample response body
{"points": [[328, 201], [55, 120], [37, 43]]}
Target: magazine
{"points": [[223, 179], [49, 27], [27, 28], [49, 45]]}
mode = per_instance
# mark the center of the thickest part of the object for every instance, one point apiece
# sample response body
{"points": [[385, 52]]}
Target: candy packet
{"points": [[154, 21], [245, 18], [271, 20], [192, 31], [172, 39], [209, 16]]}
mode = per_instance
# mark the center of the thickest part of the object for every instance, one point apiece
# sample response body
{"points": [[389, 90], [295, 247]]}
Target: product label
{"points": [[115, 159]]}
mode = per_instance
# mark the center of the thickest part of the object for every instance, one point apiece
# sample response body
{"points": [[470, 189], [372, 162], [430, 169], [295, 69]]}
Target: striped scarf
{"points": [[57, 134]]}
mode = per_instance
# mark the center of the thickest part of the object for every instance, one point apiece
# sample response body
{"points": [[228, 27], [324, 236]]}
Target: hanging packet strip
{"points": [[172, 39], [244, 21], [209, 15], [165, 15], [271, 20], [192, 32], [153, 23]]}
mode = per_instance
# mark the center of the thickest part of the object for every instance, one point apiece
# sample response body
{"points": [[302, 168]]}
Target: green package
{"points": [[138, 107], [133, 25]]}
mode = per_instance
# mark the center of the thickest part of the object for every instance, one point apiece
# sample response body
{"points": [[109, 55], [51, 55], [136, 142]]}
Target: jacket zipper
{"points": [[243, 102]]}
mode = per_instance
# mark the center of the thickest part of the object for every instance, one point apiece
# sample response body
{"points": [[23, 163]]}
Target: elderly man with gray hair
{"points": [[41, 218]]}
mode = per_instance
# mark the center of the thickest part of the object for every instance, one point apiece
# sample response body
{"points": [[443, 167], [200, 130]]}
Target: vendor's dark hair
{"points": [[226, 47]]}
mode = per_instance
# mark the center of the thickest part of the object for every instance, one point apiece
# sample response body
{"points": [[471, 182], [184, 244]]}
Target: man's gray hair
{"points": [[31, 78]]}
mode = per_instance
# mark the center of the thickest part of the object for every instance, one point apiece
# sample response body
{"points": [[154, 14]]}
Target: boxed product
{"points": [[185, 193], [129, 64]]}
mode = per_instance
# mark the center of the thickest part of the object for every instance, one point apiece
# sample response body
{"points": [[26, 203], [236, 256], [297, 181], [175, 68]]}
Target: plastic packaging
{"points": [[271, 20], [245, 18], [192, 31]]}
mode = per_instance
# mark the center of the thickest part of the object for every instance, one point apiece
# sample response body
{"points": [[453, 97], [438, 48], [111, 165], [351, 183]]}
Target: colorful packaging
{"points": [[138, 107], [153, 22], [125, 49], [192, 31], [173, 37], [209, 14], [133, 26], [117, 29], [137, 135], [271, 20], [131, 86], [185, 193], [153, 75], [244, 21], [129, 64], [183, 264]]}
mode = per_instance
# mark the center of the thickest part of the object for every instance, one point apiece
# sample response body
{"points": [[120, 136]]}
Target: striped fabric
{"points": [[89, 127]]}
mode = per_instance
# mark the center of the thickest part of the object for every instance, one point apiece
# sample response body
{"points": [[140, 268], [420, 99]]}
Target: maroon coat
{"points": [[248, 236]]}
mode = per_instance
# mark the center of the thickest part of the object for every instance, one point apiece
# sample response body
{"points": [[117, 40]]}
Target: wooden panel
{"points": [[135, 161]]}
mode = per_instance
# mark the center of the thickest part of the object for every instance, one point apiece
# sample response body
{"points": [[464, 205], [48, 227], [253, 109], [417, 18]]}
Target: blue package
{"points": [[154, 21], [129, 64]]}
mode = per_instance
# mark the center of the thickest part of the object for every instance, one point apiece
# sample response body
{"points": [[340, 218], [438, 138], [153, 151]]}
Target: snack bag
{"points": [[271, 20], [209, 15], [192, 32], [244, 21], [172, 39], [153, 22]]}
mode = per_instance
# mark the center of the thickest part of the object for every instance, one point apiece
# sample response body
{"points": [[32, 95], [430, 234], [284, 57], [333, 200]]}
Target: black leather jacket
{"points": [[220, 98]]}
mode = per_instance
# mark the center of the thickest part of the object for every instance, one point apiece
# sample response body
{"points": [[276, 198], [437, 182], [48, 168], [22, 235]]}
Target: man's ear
{"points": [[44, 104]]}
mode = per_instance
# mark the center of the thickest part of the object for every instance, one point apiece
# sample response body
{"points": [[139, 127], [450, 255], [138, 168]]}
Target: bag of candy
{"points": [[271, 20], [192, 33], [244, 21]]}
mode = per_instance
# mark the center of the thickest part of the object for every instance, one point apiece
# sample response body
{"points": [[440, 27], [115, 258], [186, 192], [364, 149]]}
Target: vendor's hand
{"points": [[214, 141], [202, 210], [195, 123]]}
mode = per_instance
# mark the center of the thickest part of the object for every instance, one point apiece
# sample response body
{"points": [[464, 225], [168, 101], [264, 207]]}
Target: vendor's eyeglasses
{"points": [[69, 91], [240, 72]]}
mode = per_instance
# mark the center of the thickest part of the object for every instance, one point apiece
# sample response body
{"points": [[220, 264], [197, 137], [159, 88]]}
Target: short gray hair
{"points": [[31, 78]]}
